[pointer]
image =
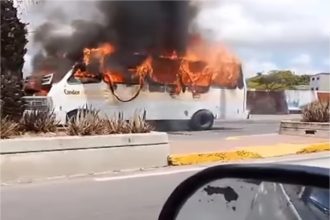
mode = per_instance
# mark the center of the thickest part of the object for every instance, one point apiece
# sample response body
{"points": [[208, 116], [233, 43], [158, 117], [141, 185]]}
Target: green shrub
{"points": [[39, 121], [316, 112], [8, 128]]}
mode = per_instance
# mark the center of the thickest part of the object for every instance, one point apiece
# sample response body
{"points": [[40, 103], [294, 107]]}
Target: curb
{"points": [[63, 143], [30, 159], [307, 129], [256, 152], [315, 148]]}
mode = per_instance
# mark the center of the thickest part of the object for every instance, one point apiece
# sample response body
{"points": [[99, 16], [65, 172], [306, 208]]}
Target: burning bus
{"points": [[202, 85]]}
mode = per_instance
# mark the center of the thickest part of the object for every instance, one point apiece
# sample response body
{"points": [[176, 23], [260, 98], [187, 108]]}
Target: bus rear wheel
{"points": [[72, 116], [201, 120]]}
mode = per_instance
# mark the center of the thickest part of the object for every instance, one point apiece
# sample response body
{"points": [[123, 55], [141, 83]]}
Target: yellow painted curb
{"points": [[253, 152], [282, 149], [315, 148], [189, 159]]}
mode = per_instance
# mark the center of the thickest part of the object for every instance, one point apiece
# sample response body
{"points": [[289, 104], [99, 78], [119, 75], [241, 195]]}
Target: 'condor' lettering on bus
{"points": [[71, 92]]}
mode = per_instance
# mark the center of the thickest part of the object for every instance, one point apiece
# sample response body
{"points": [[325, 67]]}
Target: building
{"points": [[320, 82]]}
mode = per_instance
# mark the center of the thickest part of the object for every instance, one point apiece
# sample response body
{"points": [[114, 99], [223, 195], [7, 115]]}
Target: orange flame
{"points": [[98, 53], [145, 68], [204, 64]]}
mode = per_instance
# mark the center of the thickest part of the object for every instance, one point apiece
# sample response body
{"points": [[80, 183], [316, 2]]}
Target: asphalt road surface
{"points": [[223, 129], [123, 196], [256, 125]]}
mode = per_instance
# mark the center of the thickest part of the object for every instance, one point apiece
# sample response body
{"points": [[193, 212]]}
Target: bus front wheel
{"points": [[201, 120]]}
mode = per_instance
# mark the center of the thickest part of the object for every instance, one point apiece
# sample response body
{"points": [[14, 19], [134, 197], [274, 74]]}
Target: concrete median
{"points": [[29, 159], [312, 129]]}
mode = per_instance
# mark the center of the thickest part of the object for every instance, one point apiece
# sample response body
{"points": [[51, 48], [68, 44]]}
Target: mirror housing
{"points": [[288, 174]]}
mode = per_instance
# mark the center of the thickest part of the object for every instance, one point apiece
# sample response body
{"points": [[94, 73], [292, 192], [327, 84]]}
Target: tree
{"points": [[13, 41], [277, 80], [304, 80]]}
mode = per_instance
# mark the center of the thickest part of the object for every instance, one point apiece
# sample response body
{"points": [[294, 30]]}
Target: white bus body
{"points": [[66, 97]]}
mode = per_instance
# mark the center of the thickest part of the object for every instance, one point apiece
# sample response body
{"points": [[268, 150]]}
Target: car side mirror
{"points": [[251, 192]]}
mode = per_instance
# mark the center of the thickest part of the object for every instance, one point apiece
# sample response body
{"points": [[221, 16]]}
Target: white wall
{"points": [[298, 98]]}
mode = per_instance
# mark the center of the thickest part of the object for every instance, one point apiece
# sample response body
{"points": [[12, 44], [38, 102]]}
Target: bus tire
{"points": [[201, 120], [72, 115]]}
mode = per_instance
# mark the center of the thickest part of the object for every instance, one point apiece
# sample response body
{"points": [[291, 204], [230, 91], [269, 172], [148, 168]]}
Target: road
{"points": [[231, 135], [223, 129], [123, 196]]}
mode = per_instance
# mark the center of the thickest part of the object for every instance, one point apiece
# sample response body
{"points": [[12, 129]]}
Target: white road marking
{"points": [[292, 207], [149, 174], [253, 135]]}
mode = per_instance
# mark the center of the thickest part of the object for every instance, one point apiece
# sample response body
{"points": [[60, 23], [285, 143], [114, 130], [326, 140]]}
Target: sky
{"points": [[269, 34], [265, 34]]}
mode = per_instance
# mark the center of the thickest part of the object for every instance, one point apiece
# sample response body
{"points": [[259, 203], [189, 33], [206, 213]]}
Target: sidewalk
{"points": [[184, 152]]}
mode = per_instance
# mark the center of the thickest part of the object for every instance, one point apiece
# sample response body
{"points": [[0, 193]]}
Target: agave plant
{"points": [[138, 124], [116, 125], [316, 112], [86, 122], [8, 128], [39, 121]]}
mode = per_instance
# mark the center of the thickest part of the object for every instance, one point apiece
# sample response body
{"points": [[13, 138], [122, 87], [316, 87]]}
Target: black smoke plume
{"points": [[152, 27]]}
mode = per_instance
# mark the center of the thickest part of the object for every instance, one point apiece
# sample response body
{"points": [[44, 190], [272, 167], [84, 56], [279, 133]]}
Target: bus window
{"points": [[83, 80], [80, 76]]}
